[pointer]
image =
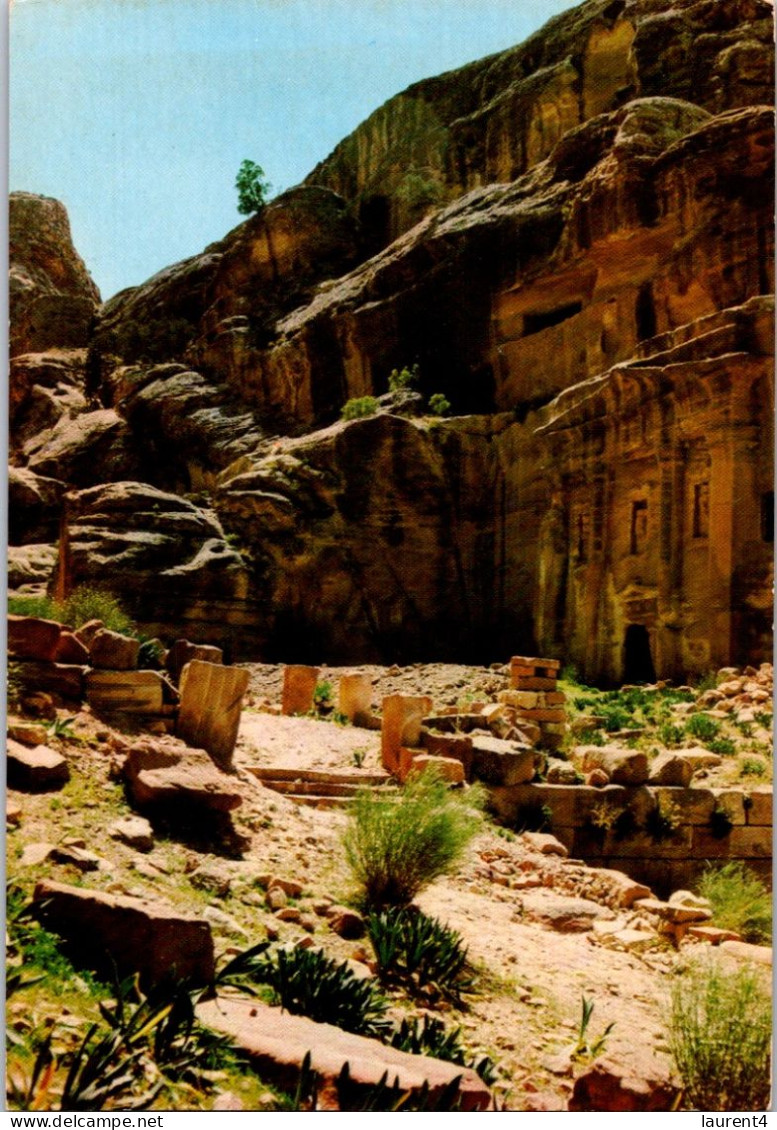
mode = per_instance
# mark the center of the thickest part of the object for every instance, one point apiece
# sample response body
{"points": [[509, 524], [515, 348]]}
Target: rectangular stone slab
{"points": [[211, 703], [277, 1044], [126, 692], [139, 935]]}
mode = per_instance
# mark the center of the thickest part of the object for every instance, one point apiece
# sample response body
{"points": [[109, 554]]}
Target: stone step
{"points": [[311, 788], [312, 801], [352, 777]]}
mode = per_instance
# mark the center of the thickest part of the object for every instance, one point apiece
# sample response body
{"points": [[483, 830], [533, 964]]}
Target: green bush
{"points": [[419, 953], [85, 603], [439, 404], [403, 378], [41, 606], [396, 844], [739, 901], [359, 407], [723, 746], [751, 767], [670, 734], [720, 1036], [252, 187], [703, 727]]}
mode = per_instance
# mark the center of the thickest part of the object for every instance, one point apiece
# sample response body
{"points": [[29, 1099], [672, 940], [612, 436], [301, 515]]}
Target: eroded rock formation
{"points": [[573, 240]]}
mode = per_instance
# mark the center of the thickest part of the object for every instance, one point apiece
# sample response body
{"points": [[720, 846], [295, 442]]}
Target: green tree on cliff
{"points": [[252, 187]]}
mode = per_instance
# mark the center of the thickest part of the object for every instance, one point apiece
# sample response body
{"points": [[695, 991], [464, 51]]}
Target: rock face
{"points": [[581, 262], [52, 298]]}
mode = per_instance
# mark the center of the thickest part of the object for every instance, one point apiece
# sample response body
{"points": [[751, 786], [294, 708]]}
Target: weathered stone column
{"points": [[401, 726], [355, 698], [299, 685]]}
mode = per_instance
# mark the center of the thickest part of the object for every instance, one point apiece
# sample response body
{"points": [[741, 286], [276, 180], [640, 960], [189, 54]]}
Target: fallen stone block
{"points": [[111, 651], [71, 650], [676, 914], [567, 915], [30, 637], [193, 781], [622, 766], [277, 1044], [345, 922], [28, 733], [670, 769], [643, 1084], [137, 935], [746, 951], [134, 831], [35, 769], [183, 652], [63, 679], [211, 704], [125, 692], [450, 745], [498, 762], [86, 633], [625, 890], [299, 686], [449, 768], [714, 934], [544, 843]]}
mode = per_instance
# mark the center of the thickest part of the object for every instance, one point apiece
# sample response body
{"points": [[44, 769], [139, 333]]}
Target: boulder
{"points": [[566, 915], [30, 637], [71, 650], [458, 746], [135, 935], [346, 922], [34, 505], [36, 769], [622, 766], [182, 652], [277, 1043], [112, 651], [211, 703], [134, 831], [157, 776], [499, 762], [672, 769], [644, 1083], [30, 565], [28, 733]]}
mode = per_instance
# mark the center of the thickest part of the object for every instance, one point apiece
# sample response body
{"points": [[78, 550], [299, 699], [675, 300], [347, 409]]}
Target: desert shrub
{"points": [[439, 404], [670, 734], [615, 717], [396, 844], [720, 1035], [403, 378], [42, 606], [763, 718], [703, 727], [322, 695], [90, 603], [419, 953], [723, 746], [751, 767], [359, 407], [739, 900]]}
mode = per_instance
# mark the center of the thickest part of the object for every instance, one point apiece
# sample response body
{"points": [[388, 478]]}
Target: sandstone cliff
{"points": [[588, 288]]}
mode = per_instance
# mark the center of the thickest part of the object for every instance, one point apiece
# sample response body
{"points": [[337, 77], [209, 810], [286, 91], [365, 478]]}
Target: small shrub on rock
{"points": [[359, 407], [396, 844], [720, 1036]]}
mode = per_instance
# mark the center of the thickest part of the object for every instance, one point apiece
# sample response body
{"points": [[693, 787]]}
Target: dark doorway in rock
{"points": [[637, 660]]}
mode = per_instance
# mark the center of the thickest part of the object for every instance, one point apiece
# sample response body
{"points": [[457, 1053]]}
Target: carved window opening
{"points": [[701, 510], [533, 323], [767, 516], [638, 538], [645, 312]]}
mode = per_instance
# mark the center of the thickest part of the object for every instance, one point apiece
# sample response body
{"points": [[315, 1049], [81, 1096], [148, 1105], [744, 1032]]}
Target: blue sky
{"points": [[137, 113]]}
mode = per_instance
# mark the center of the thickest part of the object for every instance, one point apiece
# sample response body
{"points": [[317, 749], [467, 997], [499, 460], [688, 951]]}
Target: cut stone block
{"points": [[533, 661], [450, 745], [36, 769], [644, 1084], [183, 652], [498, 762], [401, 725], [759, 809], [299, 685], [111, 651], [137, 935], [126, 692], [355, 698], [674, 912], [193, 781], [211, 703], [544, 843], [532, 683], [277, 1043], [63, 679], [449, 768], [30, 637], [626, 891]]}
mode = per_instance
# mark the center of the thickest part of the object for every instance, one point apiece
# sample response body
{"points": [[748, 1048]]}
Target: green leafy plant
{"points": [[62, 728], [322, 695], [43, 607], [358, 756], [253, 188], [439, 405], [359, 407], [585, 1050], [750, 767], [703, 727], [396, 844], [429, 1036], [308, 983], [419, 953], [592, 737], [403, 378], [723, 746], [763, 718], [720, 1036], [670, 733], [740, 901]]}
